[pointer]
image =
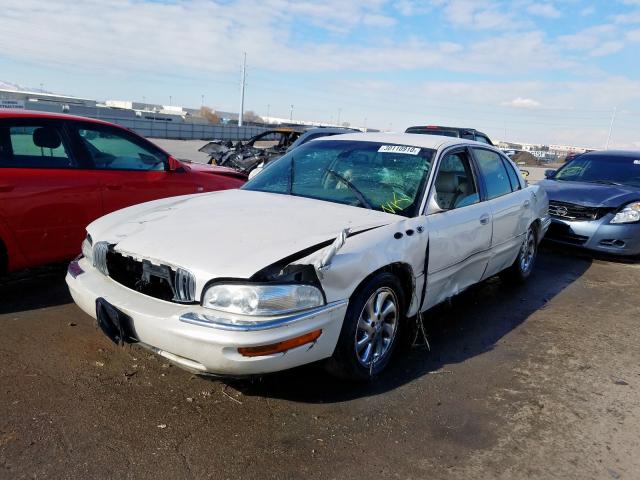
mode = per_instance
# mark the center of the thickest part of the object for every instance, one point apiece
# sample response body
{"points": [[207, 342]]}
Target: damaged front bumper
{"points": [[204, 341]]}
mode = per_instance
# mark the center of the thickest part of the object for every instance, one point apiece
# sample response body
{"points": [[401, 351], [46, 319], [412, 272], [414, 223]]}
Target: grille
{"points": [[157, 281], [184, 286], [562, 233], [100, 251], [572, 211]]}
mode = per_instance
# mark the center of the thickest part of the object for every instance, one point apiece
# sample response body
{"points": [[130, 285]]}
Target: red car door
{"points": [[46, 197], [131, 169]]}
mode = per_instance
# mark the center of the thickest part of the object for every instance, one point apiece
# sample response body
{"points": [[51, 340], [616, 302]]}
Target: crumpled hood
{"points": [[590, 194], [231, 233]]}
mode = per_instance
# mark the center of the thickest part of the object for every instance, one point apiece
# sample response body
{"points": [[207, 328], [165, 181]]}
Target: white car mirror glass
{"points": [[432, 204]]}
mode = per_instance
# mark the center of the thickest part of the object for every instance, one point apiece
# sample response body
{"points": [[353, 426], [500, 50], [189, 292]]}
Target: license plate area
{"points": [[115, 324]]}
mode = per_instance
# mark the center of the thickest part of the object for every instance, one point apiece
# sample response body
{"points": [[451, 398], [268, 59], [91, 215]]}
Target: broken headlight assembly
{"points": [[629, 214], [264, 300]]}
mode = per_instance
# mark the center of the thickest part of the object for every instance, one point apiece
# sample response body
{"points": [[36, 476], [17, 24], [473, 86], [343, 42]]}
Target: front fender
{"points": [[404, 242]]}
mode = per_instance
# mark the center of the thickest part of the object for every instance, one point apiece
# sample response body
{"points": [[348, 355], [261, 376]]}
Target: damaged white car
{"points": [[329, 254]]}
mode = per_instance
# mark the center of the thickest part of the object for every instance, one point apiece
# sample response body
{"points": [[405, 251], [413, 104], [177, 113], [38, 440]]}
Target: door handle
{"points": [[484, 219], [526, 204], [6, 188], [113, 186]]}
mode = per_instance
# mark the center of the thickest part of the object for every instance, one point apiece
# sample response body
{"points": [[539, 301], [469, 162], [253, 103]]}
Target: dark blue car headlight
{"points": [[629, 214]]}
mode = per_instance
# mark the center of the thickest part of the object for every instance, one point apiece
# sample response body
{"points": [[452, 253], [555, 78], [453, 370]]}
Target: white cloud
{"points": [[522, 103], [375, 20], [546, 10]]}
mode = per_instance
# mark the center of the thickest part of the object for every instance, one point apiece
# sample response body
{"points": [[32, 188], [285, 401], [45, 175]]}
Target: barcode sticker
{"points": [[399, 149]]}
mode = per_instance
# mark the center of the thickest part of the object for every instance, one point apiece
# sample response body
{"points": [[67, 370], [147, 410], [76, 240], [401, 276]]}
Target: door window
{"points": [[494, 173], [111, 149], [33, 146], [455, 186], [482, 139], [513, 176]]}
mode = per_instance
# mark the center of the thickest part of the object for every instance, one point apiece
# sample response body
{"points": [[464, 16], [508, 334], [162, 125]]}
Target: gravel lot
{"points": [[540, 381]]}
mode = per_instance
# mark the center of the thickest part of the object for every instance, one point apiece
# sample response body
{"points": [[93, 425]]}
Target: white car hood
{"points": [[232, 233]]}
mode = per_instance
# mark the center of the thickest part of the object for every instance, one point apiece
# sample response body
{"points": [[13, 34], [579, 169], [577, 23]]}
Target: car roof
{"points": [[330, 130], [634, 154], [412, 139], [19, 113]]}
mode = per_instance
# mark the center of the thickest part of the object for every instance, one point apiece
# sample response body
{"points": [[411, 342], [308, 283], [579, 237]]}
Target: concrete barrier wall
{"points": [[168, 128]]}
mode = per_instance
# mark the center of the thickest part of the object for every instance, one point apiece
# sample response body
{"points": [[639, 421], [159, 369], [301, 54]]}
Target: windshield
{"points": [[613, 170], [384, 177]]}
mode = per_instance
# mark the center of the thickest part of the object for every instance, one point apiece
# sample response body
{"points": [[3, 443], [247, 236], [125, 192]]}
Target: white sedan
{"points": [[330, 254]]}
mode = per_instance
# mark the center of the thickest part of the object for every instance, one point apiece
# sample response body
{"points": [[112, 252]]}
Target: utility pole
{"points": [[613, 119], [291, 113], [242, 84], [170, 99]]}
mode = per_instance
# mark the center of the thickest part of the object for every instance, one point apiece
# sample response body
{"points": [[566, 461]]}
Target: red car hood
{"points": [[205, 168]]}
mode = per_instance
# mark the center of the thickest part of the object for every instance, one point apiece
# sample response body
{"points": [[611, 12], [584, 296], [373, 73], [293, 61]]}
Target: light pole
{"points": [[339, 112], [291, 113], [202, 98], [613, 119], [242, 84], [170, 100], [268, 110]]}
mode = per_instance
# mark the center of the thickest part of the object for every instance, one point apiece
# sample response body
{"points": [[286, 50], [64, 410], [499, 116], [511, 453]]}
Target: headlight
{"points": [[629, 214], [87, 248], [262, 299]]}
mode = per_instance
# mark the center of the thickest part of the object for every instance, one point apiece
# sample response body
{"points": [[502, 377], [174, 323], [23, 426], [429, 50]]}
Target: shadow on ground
{"points": [[470, 325], [34, 288]]}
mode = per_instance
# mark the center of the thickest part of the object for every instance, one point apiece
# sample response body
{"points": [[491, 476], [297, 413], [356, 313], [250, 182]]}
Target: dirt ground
{"points": [[540, 381]]}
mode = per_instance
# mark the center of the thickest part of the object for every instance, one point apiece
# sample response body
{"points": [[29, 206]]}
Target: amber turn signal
{"points": [[280, 346]]}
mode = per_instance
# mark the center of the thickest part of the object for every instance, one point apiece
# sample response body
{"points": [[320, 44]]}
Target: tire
{"points": [[371, 329], [526, 259]]}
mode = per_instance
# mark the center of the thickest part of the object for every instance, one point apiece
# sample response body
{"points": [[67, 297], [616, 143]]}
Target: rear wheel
{"points": [[370, 330], [523, 265]]}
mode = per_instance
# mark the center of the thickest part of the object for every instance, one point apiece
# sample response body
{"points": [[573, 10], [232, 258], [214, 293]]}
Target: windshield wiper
{"points": [[351, 187]]}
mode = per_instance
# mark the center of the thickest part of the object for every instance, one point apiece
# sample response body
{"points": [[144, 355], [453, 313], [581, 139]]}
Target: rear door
{"points": [[508, 203], [130, 169], [46, 197], [459, 234]]}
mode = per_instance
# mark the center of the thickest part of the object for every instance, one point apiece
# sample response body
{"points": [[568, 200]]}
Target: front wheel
{"points": [[523, 265], [370, 330]]}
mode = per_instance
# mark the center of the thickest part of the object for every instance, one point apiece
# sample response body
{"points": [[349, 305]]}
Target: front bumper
{"points": [[193, 338], [597, 235]]}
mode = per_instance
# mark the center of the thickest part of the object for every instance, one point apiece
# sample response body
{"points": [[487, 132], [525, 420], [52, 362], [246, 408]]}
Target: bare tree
{"points": [[209, 115]]}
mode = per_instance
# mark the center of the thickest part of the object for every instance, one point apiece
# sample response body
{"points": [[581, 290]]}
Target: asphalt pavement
{"points": [[539, 381]]}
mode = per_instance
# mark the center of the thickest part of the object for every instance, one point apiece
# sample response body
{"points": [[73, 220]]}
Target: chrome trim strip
{"points": [[220, 323]]}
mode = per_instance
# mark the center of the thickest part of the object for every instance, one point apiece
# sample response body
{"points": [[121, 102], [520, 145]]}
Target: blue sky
{"points": [[522, 70]]}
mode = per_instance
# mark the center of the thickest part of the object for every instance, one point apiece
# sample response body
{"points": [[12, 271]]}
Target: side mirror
{"points": [[549, 173], [175, 165], [432, 204]]}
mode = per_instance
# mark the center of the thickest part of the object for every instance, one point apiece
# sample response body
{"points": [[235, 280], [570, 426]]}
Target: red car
{"points": [[58, 173]]}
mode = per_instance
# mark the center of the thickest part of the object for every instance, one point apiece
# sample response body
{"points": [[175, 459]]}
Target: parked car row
{"points": [[332, 252]]}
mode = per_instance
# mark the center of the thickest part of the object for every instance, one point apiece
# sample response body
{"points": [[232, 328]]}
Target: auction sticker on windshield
{"points": [[399, 149]]}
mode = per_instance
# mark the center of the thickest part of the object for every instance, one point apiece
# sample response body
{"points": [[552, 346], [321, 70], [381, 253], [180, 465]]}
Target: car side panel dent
{"points": [[401, 243]]}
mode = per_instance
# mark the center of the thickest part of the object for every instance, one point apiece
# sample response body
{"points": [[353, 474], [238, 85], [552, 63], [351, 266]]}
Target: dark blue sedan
{"points": [[594, 202]]}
